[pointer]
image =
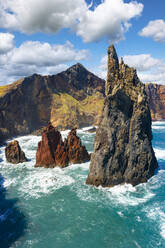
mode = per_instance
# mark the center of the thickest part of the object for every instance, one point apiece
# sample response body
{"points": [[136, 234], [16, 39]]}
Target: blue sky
{"points": [[47, 36]]}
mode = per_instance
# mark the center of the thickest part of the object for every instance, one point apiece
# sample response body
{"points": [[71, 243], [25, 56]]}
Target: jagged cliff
{"points": [[71, 98], [123, 150], [156, 97], [52, 151]]}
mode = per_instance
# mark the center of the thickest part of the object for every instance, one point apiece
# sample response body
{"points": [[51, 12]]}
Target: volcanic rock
{"points": [[14, 154], [123, 150], [156, 98], [52, 151], [71, 98], [51, 138], [76, 152]]}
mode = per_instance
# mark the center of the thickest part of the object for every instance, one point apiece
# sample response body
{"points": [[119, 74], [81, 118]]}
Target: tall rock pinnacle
{"points": [[123, 150]]}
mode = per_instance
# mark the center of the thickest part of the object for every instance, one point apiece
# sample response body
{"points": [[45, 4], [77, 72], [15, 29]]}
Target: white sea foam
{"points": [[158, 127], [125, 195], [160, 153], [128, 195], [83, 166], [158, 216], [158, 123], [9, 182], [120, 214], [43, 181]]}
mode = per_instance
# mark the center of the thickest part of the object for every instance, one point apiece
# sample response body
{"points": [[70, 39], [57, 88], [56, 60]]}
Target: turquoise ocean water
{"points": [[54, 208]]}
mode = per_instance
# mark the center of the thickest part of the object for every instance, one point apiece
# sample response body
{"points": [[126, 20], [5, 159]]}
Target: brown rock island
{"points": [[52, 151], [14, 154], [123, 150]]}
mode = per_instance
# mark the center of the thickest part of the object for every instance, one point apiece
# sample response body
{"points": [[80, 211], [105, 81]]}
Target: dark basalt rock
{"points": [[52, 151], [14, 154], [123, 150]]}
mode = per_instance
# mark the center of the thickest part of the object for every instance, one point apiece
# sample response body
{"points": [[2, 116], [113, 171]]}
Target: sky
{"points": [[48, 36]]}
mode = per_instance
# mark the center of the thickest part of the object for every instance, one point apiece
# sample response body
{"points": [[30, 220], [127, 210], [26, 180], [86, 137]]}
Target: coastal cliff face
{"points": [[123, 150], [71, 98], [156, 98]]}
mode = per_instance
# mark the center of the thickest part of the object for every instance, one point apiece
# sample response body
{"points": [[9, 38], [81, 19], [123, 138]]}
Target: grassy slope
{"points": [[67, 110]]}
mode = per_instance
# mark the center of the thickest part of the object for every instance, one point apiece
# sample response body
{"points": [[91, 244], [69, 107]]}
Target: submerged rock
{"points": [[14, 154], [52, 151], [123, 150]]}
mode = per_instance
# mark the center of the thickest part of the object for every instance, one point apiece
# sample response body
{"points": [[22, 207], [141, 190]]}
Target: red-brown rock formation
{"points": [[47, 147], [76, 152], [52, 151], [14, 154]]}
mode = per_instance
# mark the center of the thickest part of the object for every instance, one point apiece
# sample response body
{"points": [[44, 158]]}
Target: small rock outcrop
{"points": [[52, 151], [123, 150], [76, 152], [51, 138], [14, 154]]}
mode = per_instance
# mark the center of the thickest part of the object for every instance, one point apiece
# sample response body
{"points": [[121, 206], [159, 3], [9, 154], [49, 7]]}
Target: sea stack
{"points": [[123, 150], [14, 154], [52, 151]]}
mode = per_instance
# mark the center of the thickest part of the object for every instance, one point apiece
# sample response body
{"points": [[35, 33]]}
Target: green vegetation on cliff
{"points": [[68, 111]]}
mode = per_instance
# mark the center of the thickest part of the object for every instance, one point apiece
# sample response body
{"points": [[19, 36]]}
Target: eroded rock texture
{"points": [[156, 98], [52, 151], [14, 154], [71, 98], [123, 150], [76, 152]]}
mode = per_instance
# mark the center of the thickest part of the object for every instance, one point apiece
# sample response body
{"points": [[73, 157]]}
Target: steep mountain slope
{"points": [[156, 96], [71, 98]]}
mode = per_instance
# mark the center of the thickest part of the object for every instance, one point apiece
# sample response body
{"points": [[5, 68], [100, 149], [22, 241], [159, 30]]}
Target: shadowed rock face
{"points": [[52, 151], [51, 138], [123, 150], [76, 152], [14, 154], [156, 98], [70, 98]]}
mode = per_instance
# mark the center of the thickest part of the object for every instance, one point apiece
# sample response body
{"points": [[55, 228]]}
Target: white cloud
{"points": [[154, 29], [32, 16], [142, 62], [36, 57], [44, 54], [6, 42], [110, 19], [149, 69]]}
